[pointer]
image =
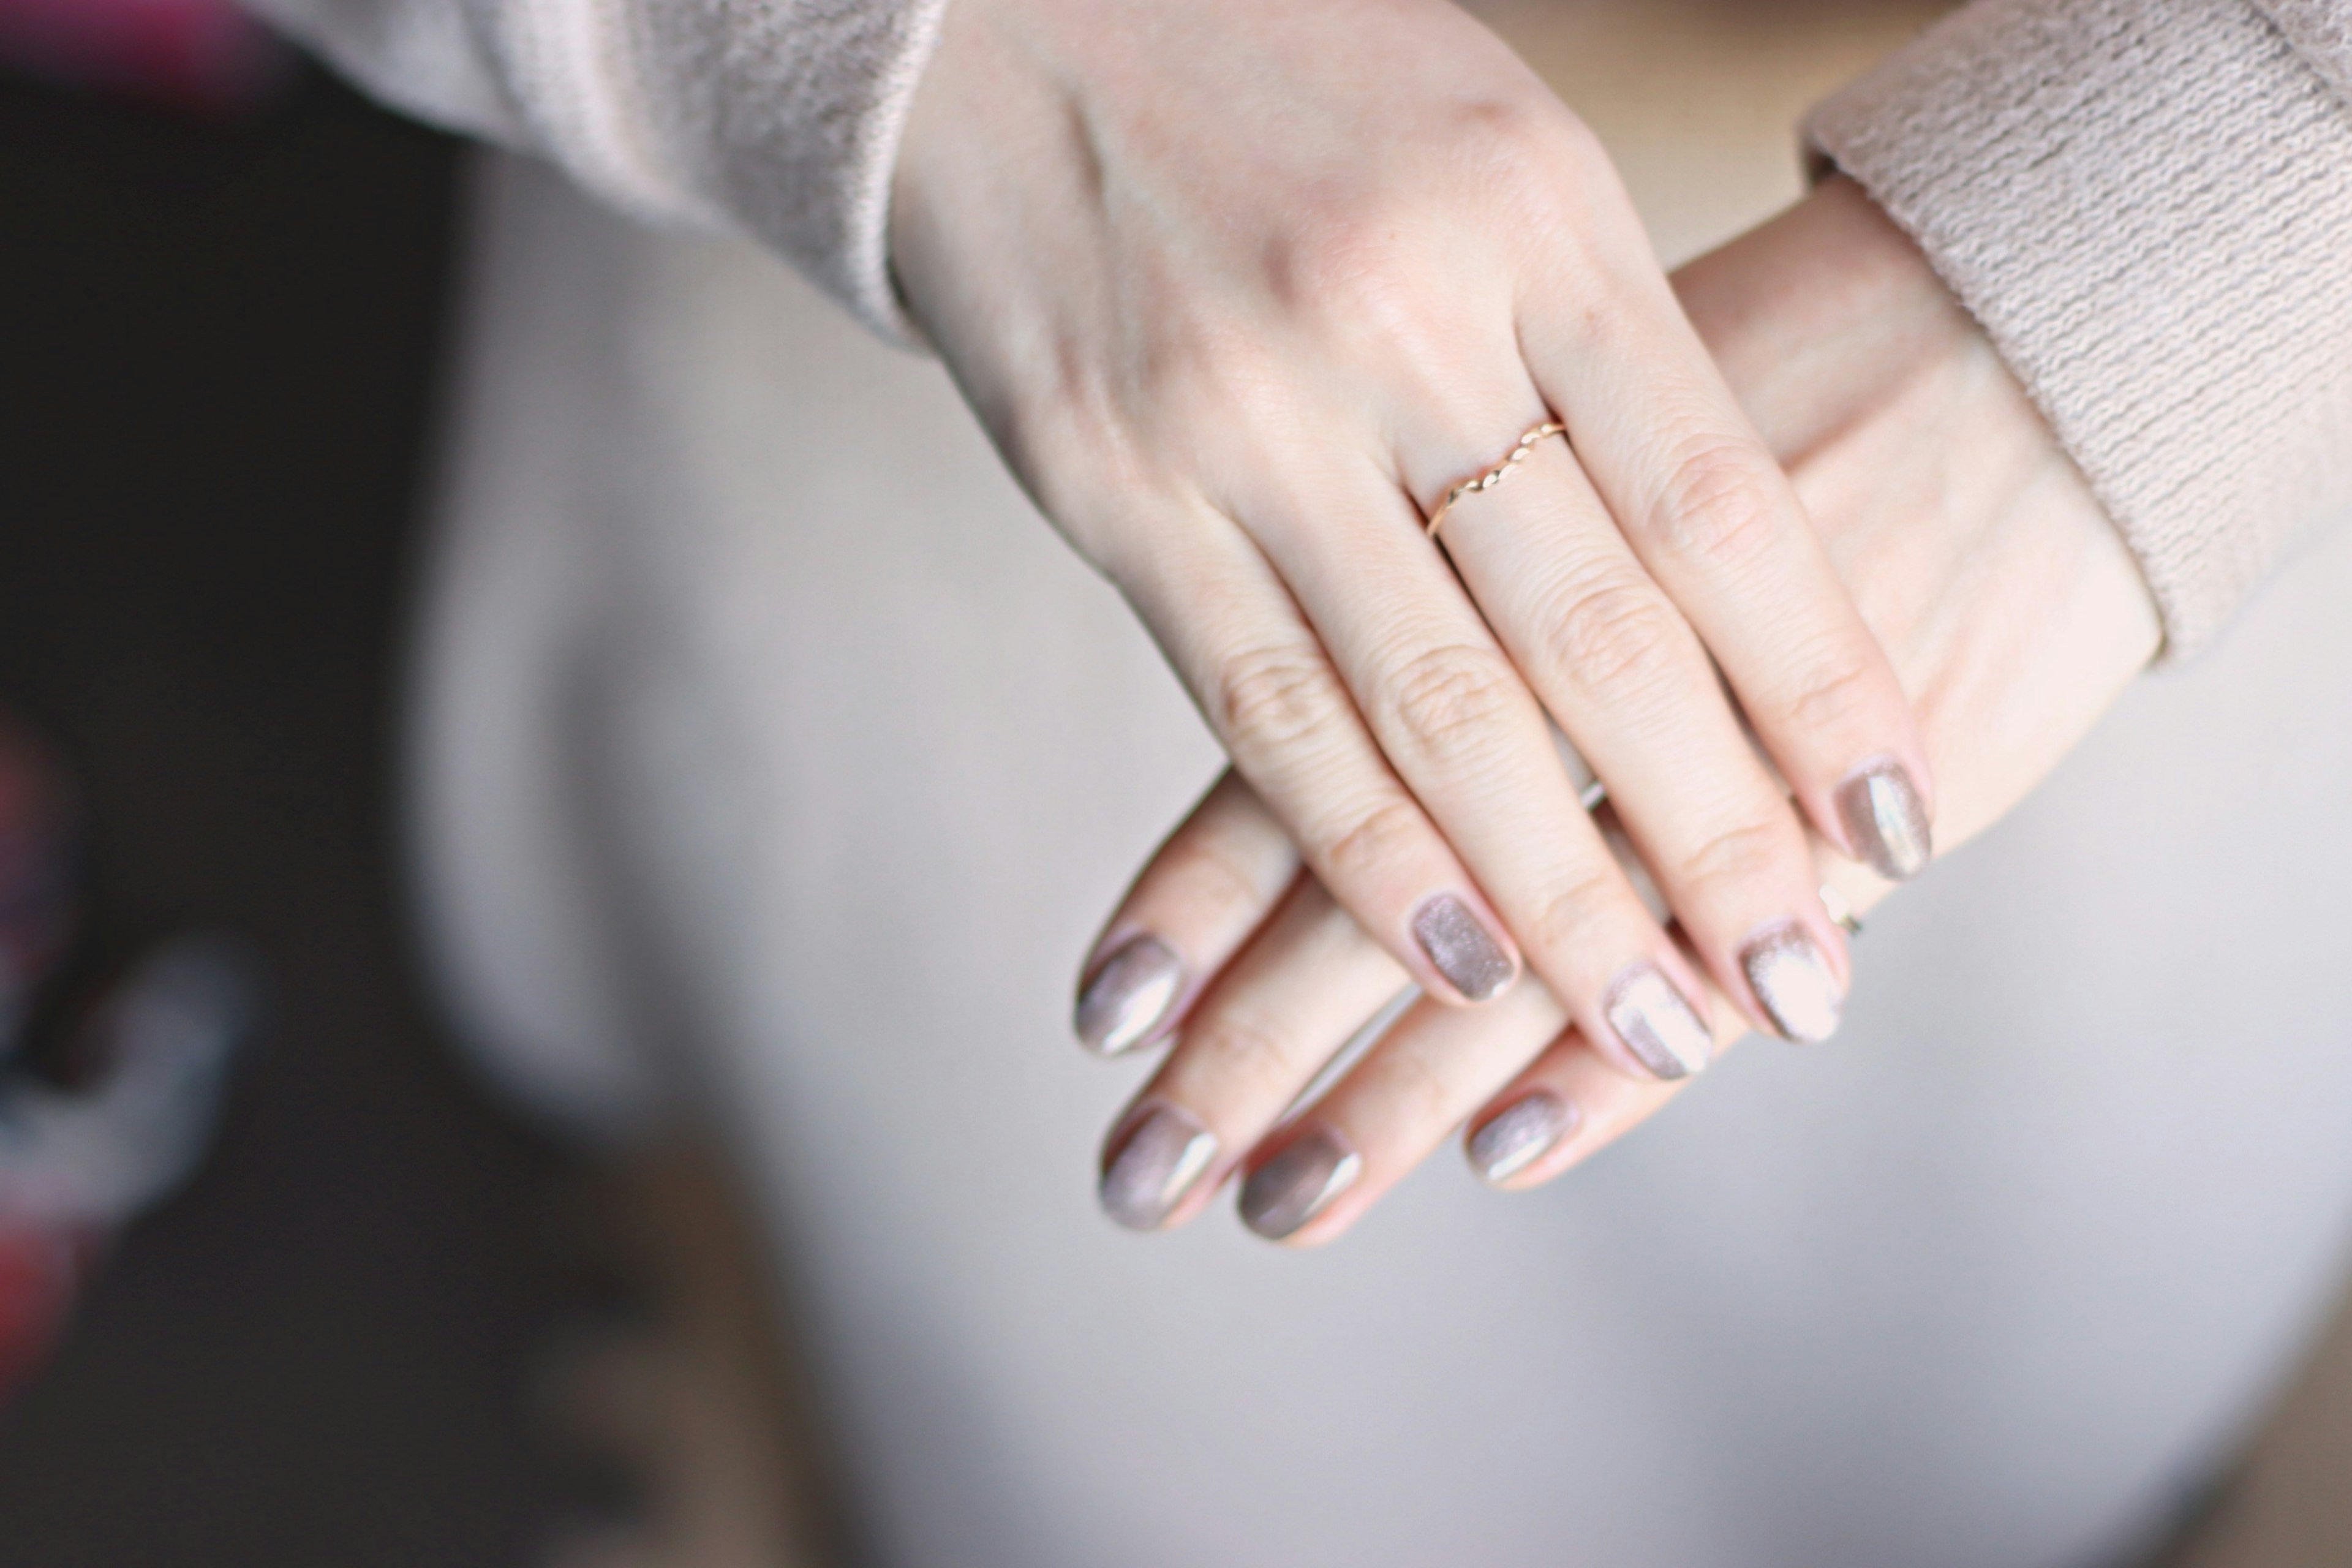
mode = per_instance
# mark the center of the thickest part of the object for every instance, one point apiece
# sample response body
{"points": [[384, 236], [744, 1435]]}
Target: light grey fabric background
{"points": [[771, 752]]}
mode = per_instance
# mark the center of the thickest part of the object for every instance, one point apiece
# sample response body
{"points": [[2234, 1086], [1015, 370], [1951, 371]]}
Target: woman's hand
{"points": [[1976, 553], [1242, 291]]}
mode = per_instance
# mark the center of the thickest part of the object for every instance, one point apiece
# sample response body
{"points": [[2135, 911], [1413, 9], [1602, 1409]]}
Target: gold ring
{"points": [[1493, 475]]}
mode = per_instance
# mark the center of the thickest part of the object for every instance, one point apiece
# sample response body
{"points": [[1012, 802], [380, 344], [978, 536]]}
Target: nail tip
{"points": [[1125, 1003], [1518, 1136], [1153, 1167], [1657, 1024], [1282, 1196], [1885, 820], [1461, 949], [1792, 983]]}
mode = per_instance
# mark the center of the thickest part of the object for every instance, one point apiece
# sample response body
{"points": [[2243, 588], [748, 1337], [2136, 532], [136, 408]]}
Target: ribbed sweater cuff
{"points": [[785, 116], [2148, 206]]}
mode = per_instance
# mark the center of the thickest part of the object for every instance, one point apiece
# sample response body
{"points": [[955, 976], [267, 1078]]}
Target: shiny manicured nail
{"points": [[1462, 950], [1658, 1024], [1793, 981], [1128, 995], [1521, 1133], [1298, 1184], [1885, 821], [1154, 1164]]}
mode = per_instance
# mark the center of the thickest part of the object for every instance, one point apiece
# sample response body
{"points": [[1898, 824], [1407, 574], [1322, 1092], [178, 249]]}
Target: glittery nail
{"points": [[1463, 951], [1658, 1024], [1886, 821], [1298, 1184], [1792, 979], [1153, 1165], [1128, 995], [1521, 1133]]}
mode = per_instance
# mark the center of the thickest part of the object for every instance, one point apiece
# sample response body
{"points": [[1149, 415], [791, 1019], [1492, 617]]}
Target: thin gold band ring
{"points": [[1493, 475]]}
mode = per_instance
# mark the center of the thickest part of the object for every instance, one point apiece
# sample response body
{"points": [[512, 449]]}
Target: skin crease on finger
{"points": [[2012, 611]]}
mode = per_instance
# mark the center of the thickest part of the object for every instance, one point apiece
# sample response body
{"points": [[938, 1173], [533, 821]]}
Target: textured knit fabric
{"points": [[2149, 204], [779, 117]]}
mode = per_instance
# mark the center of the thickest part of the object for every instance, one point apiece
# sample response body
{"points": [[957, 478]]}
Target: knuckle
{"points": [[1422, 1088], [1365, 271], [1218, 888], [1232, 1048], [1378, 838], [1735, 853], [1449, 698], [1275, 696], [1568, 913], [1618, 636], [1718, 505], [1527, 140], [1832, 692]]}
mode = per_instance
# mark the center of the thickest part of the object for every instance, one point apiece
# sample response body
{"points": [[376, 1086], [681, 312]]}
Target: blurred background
{"points": [[220, 299], [385, 1324]]}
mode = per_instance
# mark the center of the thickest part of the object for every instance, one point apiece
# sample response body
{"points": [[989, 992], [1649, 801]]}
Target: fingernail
{"points": [[1128, 995], [1521, 1133], [1886, 821], [1153, 1165], [1658, 1024], [1298, 1184], [1463, 951], [1792, 979]]}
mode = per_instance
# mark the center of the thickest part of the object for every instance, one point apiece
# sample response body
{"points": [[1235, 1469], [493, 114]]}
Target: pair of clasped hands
{"points": [[1242, 291]]}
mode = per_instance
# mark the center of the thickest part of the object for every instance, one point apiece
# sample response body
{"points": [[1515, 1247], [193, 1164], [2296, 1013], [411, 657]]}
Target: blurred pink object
{"points": [[39, 1273], [198, 54]]}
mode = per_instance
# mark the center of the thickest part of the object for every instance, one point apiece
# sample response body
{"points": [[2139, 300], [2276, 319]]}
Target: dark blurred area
{"points": [[218, 342]]}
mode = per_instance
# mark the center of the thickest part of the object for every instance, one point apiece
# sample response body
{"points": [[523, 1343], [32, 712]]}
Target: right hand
{"points": [[2006, 599], [1242, 289]]}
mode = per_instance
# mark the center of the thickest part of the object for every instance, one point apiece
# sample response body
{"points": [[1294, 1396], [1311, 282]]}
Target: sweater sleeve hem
{"points": [[2148, 204]]}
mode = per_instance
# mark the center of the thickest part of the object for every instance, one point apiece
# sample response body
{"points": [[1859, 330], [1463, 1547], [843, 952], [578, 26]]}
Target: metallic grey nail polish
{"points": [[1658, 1024], [1463, 951], [1153, 1165], [1792, 979], [1298, 1184], [1886, 821], [1521, 1133], [1128, 995]]}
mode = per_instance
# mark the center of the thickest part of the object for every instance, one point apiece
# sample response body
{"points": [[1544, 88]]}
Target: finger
{"points": [[1627, 678], [1451, 711], [1569, 1103], [1721, 530], [1254, 1043], [1271, 694], [1202, 894]]}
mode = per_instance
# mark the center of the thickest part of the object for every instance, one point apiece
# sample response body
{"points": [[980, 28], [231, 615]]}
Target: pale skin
{"points": [[1242, 290], [2006, 600]]}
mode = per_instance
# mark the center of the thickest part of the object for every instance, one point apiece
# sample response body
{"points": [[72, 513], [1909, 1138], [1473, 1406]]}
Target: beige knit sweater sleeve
{"points": [[777, 118], [2148, 206], [2148, 203]]}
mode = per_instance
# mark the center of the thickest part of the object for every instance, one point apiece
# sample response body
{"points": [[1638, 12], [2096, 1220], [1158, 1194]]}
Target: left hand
{"points": [[2007, 603]]}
